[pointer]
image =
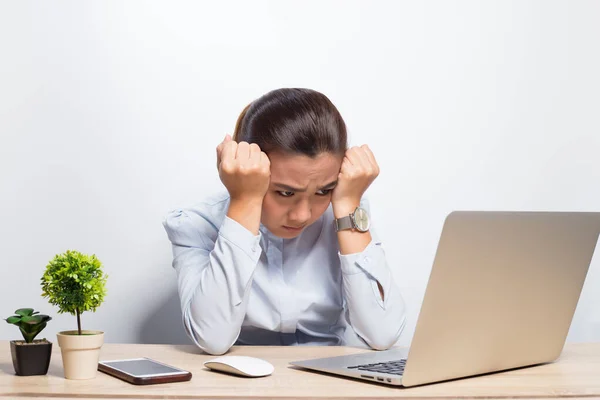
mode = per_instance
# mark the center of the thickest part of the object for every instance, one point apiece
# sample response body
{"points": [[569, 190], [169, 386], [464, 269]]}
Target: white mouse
{"points": [[241, 365]]}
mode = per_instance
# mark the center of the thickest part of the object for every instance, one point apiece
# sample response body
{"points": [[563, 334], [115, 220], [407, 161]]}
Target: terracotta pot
{"points": [[80, 353], [31, 358]]}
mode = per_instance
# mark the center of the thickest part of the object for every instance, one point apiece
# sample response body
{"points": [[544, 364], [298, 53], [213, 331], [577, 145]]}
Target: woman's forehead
{"points": [[301, 170]]}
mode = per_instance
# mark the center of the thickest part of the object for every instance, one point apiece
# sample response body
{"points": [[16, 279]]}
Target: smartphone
{"points": [[143, 371]]}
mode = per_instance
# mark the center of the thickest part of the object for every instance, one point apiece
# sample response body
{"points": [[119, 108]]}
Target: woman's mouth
{"points": [[293, 229]]}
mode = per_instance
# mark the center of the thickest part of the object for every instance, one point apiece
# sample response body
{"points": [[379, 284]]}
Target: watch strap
{"points": [[343, 223]]}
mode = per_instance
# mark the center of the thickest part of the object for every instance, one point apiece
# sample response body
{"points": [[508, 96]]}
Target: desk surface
{"points": [[575, 375]]}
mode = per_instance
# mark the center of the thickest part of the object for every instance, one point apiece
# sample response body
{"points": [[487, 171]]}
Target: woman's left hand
{"points": [[359, 169]]}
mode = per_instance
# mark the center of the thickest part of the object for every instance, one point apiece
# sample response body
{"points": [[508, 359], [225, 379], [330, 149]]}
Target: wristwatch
{"points": [[359, 220]]}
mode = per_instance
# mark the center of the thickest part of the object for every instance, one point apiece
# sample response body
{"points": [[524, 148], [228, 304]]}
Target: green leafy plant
{"points": [[74, 282], [30, 322]]}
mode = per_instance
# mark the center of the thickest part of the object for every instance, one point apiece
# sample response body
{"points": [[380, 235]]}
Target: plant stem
{"points": [[78, 322]]}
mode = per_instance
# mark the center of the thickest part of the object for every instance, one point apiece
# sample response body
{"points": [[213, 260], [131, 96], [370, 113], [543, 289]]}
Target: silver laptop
{"points": [[501, 294]]}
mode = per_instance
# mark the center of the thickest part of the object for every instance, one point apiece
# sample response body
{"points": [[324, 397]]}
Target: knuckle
{"points": [[227, 167], [265, 158], [244, 169]]}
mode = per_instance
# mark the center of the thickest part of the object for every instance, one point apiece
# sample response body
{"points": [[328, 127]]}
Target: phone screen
{"points": [[142, 367]]}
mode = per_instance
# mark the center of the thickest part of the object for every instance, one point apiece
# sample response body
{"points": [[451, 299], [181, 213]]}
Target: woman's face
{"points": [[299, 191]]}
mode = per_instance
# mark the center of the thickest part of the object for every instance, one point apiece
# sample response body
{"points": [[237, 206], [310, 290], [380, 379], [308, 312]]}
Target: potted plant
{"points": [[29, 356], [75, 282]]}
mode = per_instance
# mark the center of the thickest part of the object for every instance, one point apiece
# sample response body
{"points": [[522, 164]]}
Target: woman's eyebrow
{"points": [[288, 188], [330, 185]]}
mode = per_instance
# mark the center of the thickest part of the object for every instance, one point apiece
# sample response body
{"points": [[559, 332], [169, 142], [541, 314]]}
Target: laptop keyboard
{"points": [[389, 367]]}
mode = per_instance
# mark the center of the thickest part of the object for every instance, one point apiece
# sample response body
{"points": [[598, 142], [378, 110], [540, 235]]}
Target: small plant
{"points": [[30, 322], [74, 282]]}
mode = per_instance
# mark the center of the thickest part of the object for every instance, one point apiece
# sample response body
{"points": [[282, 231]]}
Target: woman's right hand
{"points": [[244, 169]]}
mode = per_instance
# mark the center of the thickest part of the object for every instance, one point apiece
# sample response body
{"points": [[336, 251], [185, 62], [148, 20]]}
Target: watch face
{"points": [[361, 219]]}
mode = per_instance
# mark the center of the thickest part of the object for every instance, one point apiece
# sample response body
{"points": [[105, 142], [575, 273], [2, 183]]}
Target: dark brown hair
{"points": [[297, 121]]}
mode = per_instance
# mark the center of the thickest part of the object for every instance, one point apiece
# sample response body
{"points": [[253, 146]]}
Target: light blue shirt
{"points": [[239, 288]]}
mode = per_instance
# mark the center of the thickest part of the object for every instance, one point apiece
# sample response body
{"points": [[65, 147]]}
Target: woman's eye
{"points": [[323, 192], [285, 193]]}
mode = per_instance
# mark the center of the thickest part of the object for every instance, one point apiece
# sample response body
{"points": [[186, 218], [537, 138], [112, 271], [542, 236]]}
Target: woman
{"points": [[286, 256]]}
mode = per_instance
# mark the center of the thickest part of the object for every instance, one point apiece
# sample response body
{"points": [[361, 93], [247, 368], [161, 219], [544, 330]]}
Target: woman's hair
{"points": [[297, 121]]}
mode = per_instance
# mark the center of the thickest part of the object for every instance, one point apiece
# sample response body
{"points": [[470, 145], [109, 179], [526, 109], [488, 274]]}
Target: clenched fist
{"points": [[244, 169], [359, 169]]}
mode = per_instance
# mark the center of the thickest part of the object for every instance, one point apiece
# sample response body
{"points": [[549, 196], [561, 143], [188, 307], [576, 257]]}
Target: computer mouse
{"points": [[241, 365]]}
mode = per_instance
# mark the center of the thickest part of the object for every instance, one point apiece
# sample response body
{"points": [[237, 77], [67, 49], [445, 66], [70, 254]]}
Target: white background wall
{"points": [[110, 113]]}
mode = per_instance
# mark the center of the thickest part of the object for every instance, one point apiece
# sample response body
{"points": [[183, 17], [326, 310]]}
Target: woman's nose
{"points": [[301, 213]]}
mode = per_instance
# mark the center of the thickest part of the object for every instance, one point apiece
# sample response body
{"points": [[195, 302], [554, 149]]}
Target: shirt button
{"points": [[367, 260]]}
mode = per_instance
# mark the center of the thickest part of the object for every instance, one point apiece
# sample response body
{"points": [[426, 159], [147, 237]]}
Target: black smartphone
{"points": [[143, 371]]}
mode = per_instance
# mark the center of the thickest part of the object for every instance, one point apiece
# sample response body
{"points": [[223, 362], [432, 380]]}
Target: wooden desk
{"points": [[575, 375]]}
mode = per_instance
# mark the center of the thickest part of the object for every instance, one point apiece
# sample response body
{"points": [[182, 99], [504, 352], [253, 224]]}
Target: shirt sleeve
{"points": [[214, 268], [379, 322]]}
